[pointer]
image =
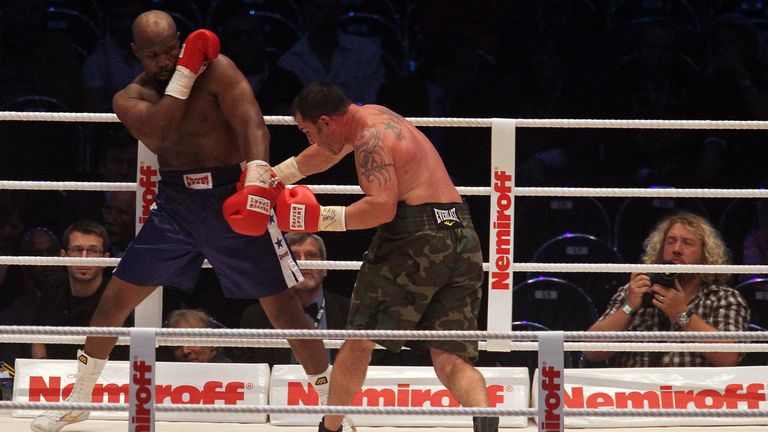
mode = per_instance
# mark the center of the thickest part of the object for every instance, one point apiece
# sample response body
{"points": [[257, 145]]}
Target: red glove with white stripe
{"points": [[248, 210], [298, 211], [200, 48]]}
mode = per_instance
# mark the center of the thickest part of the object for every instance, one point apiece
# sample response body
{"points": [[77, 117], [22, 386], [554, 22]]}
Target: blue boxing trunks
{"points": [[187, 226]]}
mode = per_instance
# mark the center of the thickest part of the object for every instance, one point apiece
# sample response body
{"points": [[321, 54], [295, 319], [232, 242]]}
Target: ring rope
{"points": [[570, 336], [336, 343], [355, 410], [450, 122], [463, 190], [517, 267]]}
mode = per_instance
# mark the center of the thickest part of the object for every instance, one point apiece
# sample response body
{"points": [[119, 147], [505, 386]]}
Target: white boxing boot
{"points": [[322, 384], [88, 371]]}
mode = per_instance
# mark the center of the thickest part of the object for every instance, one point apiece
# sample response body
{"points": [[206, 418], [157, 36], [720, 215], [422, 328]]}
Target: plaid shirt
{"points": [[721, 307]]}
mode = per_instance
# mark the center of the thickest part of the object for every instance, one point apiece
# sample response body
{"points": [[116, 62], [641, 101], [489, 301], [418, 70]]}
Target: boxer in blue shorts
{"points": [[196, 111], [187, 226]]}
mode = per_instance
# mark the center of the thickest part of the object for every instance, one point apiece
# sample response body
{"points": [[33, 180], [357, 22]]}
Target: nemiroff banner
{"points": [[176, 383], [680, 389], [392, 386]]}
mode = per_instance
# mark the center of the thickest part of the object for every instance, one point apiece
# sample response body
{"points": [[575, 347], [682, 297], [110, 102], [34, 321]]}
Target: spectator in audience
{"points": [[111, 66], [12, 225], [736, 88], [325, 53], [196, 318], [117, 151], [243, 40], [119, 219], [326, 309], [681, 302], [26, 292], [656, 81], [36, 60], [71, 300], [755, 245]]}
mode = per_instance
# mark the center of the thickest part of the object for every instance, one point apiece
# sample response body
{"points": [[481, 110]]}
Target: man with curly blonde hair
{"points": [[676, 302]]}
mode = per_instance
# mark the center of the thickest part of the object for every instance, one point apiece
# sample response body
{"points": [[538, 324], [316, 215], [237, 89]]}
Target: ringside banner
{"points": [[392, 386], [176, 383], [742, 388]]}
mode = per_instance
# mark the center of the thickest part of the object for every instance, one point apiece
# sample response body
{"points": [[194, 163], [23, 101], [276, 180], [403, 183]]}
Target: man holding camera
{"points": [[676, 302]]}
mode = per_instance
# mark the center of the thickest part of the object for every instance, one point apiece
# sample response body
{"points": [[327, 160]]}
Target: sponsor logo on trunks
{"points": [[296, 221], [198, 181], [447, 217], [552, 385], [733, 396], [501, 231], [258, 204], [148, 188], [49, 389], [398, 395]]}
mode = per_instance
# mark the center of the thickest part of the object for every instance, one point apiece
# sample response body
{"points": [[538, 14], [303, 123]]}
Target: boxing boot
{"points": [[485, 424]]}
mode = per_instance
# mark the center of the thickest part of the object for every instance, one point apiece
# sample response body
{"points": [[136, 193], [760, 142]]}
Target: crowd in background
{"points": [[608, 59]]}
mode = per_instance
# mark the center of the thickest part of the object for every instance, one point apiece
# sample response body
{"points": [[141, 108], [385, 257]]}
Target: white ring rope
{"points": [[336, 343], [517, 267], [355, 410], [447, 122], [463, 190], [570, 336]]}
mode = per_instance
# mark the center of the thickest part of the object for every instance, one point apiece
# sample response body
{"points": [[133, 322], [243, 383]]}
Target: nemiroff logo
{"points": [[667, 397], [141, 375], [551, 384], [148, 185], [502, 226], [301, 393], [211, 392]]}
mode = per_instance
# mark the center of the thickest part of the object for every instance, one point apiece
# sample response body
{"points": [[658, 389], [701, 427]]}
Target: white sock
{"points": [[322, 384]]}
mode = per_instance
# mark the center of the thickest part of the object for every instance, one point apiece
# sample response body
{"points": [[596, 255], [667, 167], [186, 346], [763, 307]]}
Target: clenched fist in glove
{"points": [[298, 211], [200, 48], [248, 210]]}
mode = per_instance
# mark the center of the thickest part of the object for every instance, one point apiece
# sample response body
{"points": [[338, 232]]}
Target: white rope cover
{"points": [[354, 410], [355, 265], [221, 341], [446, 122], [570, 336]]}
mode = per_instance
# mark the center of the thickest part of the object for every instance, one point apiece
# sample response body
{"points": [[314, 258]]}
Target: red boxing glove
{"points": [[299, 211], [247, 210], [200, 48]]}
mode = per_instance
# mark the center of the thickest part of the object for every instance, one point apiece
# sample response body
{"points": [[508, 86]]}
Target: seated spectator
{"points": [[243, 40], [326, 309], [72, 300], [755, 247], [36, 60], [118, 211], [25, 293], [12, 223], [111, 65], [324, 53], [682, 302], [196, 318]]}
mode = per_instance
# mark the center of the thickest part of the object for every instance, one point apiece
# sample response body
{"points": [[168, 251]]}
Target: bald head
{"points": [[152, 27]]}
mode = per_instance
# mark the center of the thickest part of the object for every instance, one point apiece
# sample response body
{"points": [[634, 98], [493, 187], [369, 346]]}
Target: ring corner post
{"points": [[501, 233], [141, 378], [551, 381]]}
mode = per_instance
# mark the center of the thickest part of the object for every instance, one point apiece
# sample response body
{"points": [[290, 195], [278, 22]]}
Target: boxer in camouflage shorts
{"points": [[423, 269]]}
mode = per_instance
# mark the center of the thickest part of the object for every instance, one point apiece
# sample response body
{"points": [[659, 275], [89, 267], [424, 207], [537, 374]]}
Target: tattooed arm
{"points": [[376, 172]]}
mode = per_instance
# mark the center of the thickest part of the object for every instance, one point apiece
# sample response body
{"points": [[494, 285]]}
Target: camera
{"points": [[663, 279]]}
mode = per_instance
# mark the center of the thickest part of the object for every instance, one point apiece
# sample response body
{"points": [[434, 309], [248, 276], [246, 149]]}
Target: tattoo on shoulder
{"points": [[393, 123], [371, 159]]}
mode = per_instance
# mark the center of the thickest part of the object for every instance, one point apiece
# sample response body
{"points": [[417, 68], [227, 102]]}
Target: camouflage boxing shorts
{"points": [[422, 271]]}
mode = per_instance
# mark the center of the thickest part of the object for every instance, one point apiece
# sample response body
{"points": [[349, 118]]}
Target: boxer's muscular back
{"points": [[204, 137]]}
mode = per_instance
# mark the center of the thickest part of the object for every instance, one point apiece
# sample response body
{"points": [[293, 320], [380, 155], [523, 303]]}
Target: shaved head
{"points": [[152, 27]]}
